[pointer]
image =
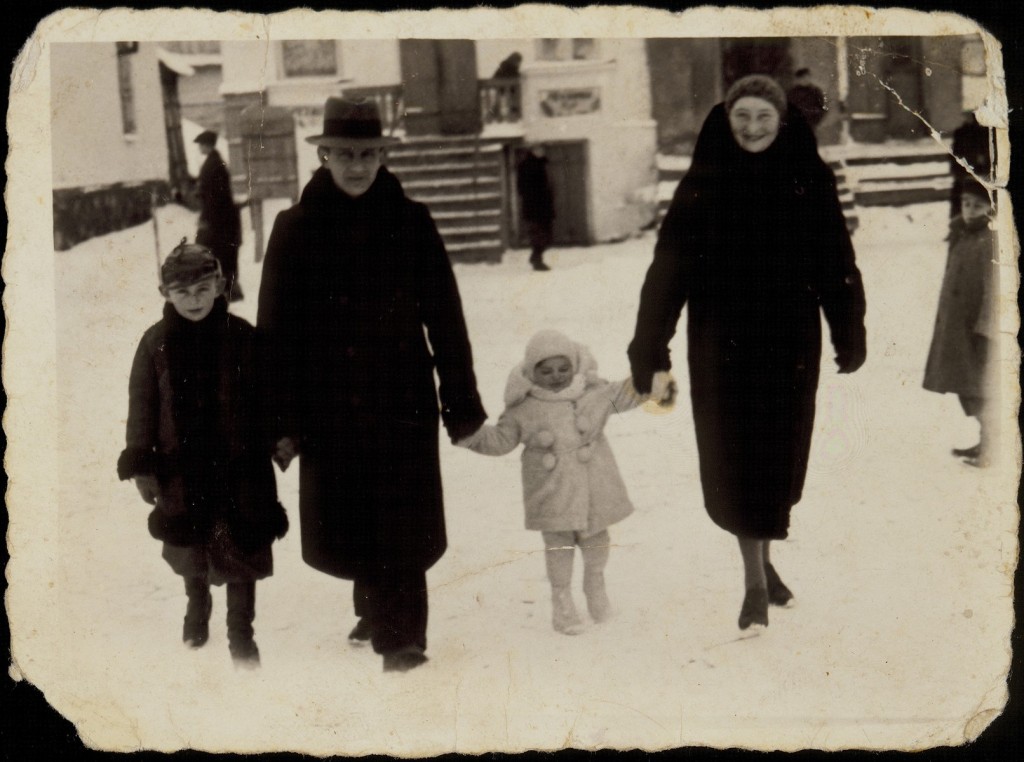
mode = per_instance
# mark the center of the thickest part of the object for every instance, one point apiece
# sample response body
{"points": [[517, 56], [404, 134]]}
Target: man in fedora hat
{"points": [[220, 226], [356, 282]]}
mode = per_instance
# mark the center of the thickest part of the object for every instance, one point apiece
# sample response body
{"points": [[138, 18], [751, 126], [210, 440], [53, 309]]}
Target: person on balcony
{"points": [[509, 68], [356, 282]]}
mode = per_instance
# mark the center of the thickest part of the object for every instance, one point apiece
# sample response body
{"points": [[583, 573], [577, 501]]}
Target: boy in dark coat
{"points": [[197, 452], [960, 356]]}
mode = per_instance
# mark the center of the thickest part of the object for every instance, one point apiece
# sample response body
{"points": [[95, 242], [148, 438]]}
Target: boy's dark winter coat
{"points": [[195, 422], [756, 244], [349, 284]]}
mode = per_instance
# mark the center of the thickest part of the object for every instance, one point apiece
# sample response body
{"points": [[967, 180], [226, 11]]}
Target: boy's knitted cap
{"points": [[550, 343], [189, 263], [757, 86]]}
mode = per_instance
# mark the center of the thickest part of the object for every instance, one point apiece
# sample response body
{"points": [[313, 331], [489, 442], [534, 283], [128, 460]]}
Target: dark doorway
{"points": [[176, 162], [902, 72], [756, 55], [567, 173]]}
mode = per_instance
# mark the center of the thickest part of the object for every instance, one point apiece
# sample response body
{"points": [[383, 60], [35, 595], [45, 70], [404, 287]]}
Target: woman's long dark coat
{"points": [[755, 244], [349, 285]]}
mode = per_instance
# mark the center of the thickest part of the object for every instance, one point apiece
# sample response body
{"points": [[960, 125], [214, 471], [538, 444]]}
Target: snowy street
{"points": [[900, 557]]}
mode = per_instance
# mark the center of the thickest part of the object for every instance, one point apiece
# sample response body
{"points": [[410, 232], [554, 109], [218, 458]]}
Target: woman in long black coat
{"points": [[353, 275], [756, 244]]}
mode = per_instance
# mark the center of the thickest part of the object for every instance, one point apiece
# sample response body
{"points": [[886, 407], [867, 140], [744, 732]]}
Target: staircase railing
{"points": [[500, 100]]}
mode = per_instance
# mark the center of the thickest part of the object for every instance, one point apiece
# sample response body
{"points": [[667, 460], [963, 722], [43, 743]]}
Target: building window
{"points": [[125, 51], [309, 58], [566, 49]]}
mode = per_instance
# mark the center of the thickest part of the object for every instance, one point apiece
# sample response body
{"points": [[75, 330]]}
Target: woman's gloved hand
{"points": [[286, 450]]}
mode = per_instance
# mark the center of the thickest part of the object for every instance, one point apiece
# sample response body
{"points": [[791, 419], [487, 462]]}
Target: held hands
{"points": [[148, 487], [469, 441], [285, 452], [663, 393]]}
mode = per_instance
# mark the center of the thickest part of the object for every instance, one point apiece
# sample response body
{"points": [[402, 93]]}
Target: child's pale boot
{"points": [[558, 558], [595, 551], [564, 617]]}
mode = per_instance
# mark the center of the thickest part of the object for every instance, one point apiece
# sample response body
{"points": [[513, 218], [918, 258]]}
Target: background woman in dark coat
{"points": [[353, 274], [755, 243]]}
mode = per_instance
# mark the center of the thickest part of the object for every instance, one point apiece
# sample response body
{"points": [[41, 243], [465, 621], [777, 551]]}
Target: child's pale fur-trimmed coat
{"points": [[570, 479]]}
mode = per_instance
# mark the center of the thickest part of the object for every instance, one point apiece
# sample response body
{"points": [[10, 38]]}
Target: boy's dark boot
{"points": [[196, 630], [241, 613]]}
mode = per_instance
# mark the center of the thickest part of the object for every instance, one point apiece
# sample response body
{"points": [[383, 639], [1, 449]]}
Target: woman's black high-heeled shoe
{"points": [[755, 608], [778, 593]]}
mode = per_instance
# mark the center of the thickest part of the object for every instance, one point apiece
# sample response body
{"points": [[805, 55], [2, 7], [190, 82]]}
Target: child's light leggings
{"points": [[560, 548]]}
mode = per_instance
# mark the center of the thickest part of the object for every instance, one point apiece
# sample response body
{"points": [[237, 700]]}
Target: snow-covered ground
{"points": [[899, 555]]}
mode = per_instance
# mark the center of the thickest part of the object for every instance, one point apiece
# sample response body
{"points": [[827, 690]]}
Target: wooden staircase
{"points": [[464, 181]]}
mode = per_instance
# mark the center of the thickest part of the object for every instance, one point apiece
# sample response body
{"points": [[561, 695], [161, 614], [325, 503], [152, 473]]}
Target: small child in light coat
{"points": [[556, 406]]}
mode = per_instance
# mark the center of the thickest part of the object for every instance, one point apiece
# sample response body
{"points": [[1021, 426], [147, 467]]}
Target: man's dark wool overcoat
{"points": [[360, 302]]}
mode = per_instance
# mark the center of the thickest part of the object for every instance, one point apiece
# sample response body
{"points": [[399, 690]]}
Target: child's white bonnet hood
{"points": [[543, 345]]}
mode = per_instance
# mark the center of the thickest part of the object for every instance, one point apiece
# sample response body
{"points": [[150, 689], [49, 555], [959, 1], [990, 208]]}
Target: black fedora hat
{"points": [[351, 122], [206, 138]]}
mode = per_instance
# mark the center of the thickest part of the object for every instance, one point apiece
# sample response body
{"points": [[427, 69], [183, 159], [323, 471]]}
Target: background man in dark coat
{"points": [[353, 275], [509, 67], [538, 206], [807, 97], [220, 226]]}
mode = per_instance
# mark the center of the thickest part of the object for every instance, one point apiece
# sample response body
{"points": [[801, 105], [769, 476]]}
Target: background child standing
{"points": [[197, 451], [556, 406], [960, 359]]}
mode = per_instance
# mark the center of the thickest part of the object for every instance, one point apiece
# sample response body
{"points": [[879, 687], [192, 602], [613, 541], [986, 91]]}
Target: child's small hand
{"points": [[663, 393], [285, 451], [148, 487]]}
